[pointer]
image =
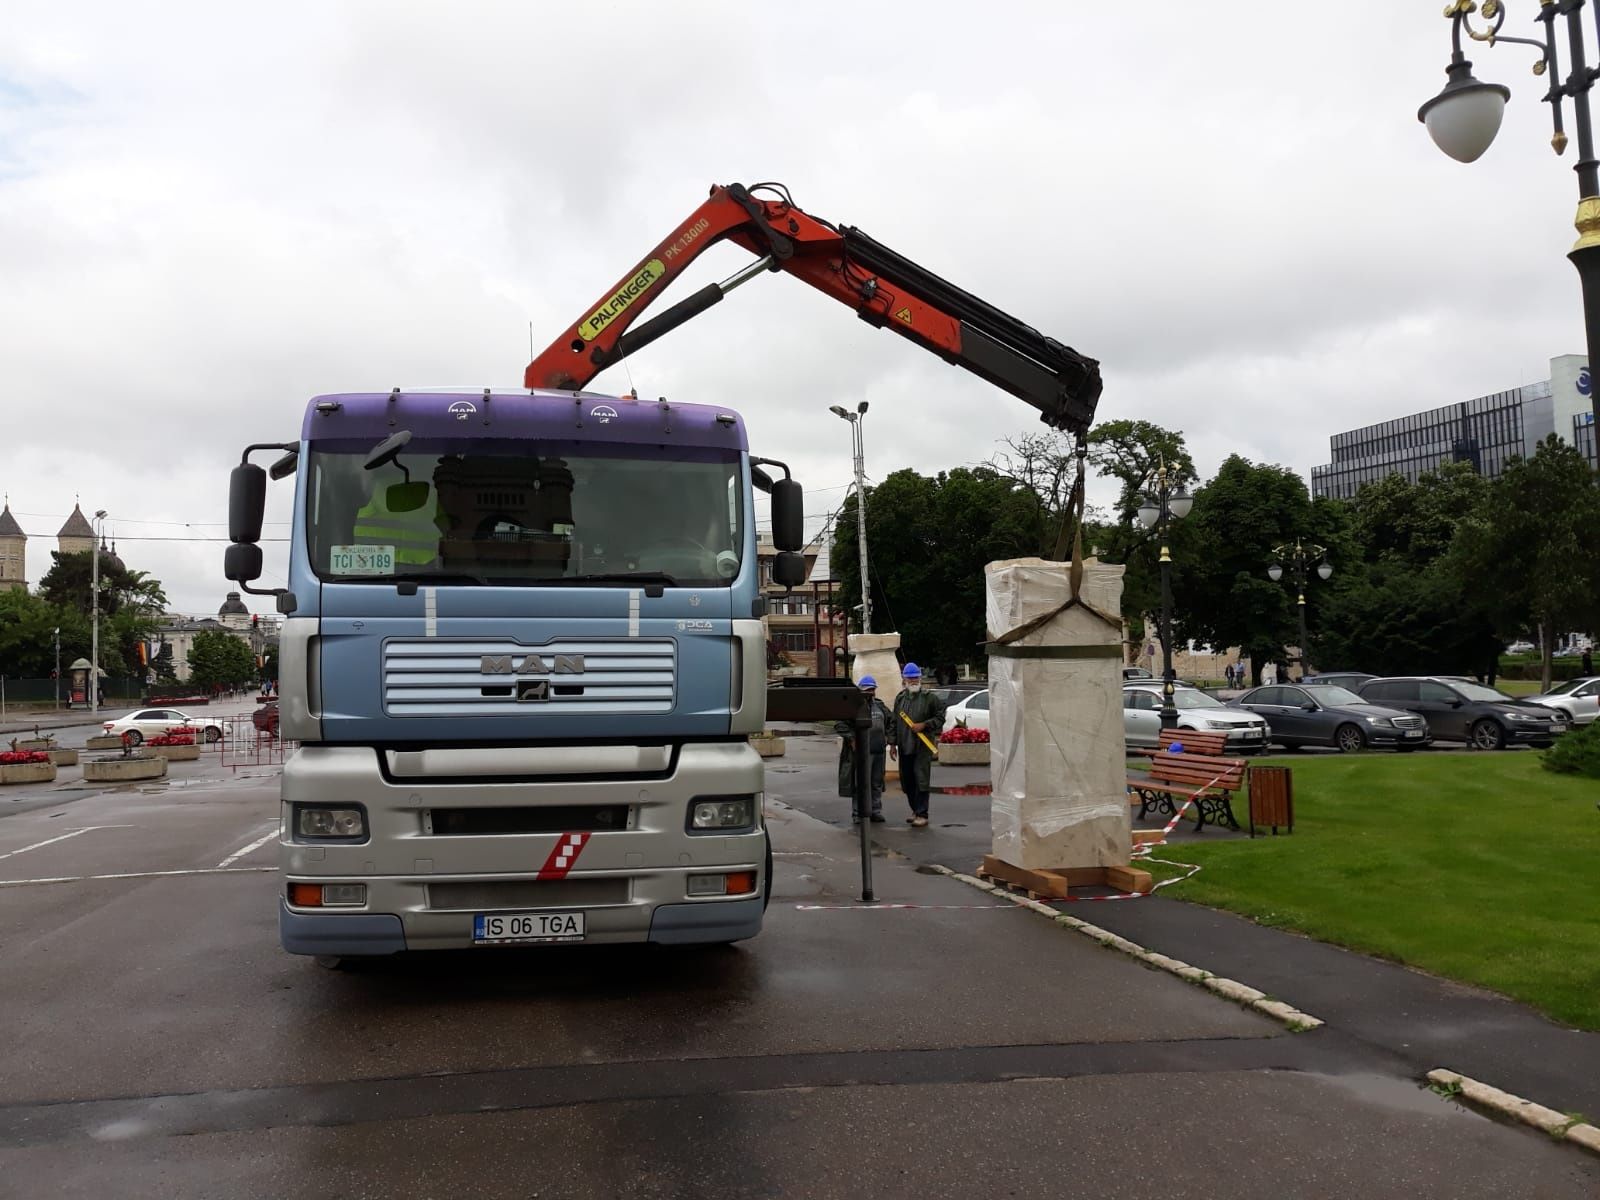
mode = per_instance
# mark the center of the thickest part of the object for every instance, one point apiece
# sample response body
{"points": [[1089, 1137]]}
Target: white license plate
{"points": [[361, 560], [1414, 733], [498, 928]]}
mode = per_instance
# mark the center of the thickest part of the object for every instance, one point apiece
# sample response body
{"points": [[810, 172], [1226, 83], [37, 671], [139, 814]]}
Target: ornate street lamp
{"points": [[858, 451], [1464, 118], [1299, 557], [1165, 501]]}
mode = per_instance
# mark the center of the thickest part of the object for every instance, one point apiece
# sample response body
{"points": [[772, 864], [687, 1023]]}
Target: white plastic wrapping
{"points": [[1057, 752]]}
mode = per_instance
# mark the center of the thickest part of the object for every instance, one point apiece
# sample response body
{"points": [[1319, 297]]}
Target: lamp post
{"points": [[58, 666], [1299, 557], [858, 449], [1464, 118], [1165, 500], [94, 594]]}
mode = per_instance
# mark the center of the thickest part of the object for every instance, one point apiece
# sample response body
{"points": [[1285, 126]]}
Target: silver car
{"points": [[1202, 711], [1578, 698]]}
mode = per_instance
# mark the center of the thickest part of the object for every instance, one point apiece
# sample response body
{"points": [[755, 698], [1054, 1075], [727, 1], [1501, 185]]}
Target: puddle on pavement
{"points": [[1400, 1095], [965, 789]]}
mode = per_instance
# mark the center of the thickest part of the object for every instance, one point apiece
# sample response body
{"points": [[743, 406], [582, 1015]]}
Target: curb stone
{"points": [[1285, 1014], [1557, 1125]]}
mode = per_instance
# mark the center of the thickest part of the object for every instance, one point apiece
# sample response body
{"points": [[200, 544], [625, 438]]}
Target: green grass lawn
{"points": [[1477, 866], [1519, 687]]}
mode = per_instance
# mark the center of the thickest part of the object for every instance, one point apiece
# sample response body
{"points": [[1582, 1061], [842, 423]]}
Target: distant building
{"points": [[77, 535], [233, 613], [13, 552], [802, 624], [1486, 432]]}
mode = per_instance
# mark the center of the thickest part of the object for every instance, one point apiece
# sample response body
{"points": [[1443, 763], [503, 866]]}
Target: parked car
{"points": [[954, 692], [1578, 698], [265, 718], [1141, 728], [1463, 711], [150, 722], [1521, 648], [1136, 673], [1320, 714], [1345, 679], [1200, 710]]}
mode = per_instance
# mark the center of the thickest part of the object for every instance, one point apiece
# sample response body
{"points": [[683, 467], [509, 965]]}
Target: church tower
{"points": [[13, 551], [77, 535]]}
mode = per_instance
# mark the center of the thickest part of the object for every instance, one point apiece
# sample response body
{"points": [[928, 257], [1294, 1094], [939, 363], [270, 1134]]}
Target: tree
{"points": [[1130, 452], [1402, 607], [219, 659], [69, 583], [1221, 551], [1531, 549], [929, 539]]}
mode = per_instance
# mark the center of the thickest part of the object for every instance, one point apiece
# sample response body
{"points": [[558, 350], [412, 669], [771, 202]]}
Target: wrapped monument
{"points": [[1057, 751]]}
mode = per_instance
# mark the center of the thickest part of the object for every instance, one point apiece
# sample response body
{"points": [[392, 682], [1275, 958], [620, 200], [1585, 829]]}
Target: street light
{"points": [[858, 449], [58, 666], [1464, 118], [94, 593], [1165, 502], [1299, 556]]}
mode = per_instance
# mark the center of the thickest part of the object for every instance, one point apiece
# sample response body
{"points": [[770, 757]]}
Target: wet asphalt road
{"points": [[155, 1041]]}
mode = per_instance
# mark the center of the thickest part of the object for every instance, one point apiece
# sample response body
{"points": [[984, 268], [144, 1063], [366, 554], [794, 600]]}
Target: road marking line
{"points": [[61, 838], [5, 883], [255, 845]]}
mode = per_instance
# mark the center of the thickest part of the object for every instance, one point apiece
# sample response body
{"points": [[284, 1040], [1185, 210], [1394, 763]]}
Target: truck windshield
{"points": [[522, 512]]}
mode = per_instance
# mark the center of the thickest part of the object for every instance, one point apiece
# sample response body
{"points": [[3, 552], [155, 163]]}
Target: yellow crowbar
{"points": [[932, 749]]}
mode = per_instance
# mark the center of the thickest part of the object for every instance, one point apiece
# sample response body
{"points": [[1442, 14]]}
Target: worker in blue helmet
{"points": [[917, 719], [877, 744]]}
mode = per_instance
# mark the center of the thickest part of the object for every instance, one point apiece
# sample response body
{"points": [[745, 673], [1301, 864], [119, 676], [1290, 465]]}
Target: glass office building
{"points": [[1485, 432]]}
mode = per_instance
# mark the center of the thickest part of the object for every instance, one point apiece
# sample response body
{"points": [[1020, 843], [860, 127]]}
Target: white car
{"points": [[1200, 710], [1578, 698], [1521, 648], [1141, 728], [152, 722]]}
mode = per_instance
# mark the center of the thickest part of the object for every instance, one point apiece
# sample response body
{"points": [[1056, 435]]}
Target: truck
{"points": [[522, 649]]}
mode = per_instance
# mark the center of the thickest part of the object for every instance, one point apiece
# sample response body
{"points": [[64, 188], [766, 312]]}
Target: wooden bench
{"points": [[1193, 741], [1207, 780]]}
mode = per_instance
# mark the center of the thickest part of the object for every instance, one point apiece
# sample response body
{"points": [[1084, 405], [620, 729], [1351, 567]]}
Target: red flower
{"points": [[15, 758]]}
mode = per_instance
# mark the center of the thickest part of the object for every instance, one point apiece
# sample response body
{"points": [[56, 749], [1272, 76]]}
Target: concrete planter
{"points": [[63, 758], [124, 770], [773, 747], [964, 754], [104, 741], [27, 772], [34, 744], [176, 753]]}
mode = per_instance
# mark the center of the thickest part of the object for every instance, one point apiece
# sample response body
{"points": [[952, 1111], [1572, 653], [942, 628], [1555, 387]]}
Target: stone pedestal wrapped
{"points": [[1057, 751], [874, 654]]}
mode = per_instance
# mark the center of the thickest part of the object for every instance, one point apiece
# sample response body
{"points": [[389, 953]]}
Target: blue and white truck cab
{"points": [[522, 655]]}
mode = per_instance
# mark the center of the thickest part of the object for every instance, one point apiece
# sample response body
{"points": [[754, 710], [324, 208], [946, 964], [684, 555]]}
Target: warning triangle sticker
{"points": [[903, 315]]}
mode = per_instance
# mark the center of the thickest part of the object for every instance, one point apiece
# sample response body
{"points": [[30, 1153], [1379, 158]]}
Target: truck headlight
{"points": [[314, 822], [722, 812]]}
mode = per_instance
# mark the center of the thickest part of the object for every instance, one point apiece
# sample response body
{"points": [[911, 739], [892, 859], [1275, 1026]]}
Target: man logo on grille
{"points": [[507, 664]]}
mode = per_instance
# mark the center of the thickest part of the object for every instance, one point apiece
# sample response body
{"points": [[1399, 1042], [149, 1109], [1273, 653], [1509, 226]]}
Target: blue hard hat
{"points": [[867, 681], [911, 671]]}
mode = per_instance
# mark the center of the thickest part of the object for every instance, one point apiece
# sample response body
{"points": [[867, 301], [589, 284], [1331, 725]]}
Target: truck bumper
{"points": [[424, 887]]}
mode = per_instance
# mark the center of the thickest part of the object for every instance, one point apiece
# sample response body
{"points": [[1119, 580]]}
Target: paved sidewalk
{"points": [[1426, 1021]]}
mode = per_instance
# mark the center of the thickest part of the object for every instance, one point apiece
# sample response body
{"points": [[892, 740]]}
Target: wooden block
{"points": [[1127, 879], [1146, 837], [1044, 882]]}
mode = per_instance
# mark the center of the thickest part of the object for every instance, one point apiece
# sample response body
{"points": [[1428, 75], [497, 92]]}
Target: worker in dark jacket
{"points": [[877, 744], [918, 718]]}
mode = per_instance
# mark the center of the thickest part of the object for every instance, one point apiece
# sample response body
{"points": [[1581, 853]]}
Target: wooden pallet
{"points": [[1056, 883], [1146, 837]]}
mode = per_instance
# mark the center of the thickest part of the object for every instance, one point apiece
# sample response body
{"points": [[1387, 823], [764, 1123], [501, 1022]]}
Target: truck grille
{"points": [[528, 893], [440, 677], [549, 818]]}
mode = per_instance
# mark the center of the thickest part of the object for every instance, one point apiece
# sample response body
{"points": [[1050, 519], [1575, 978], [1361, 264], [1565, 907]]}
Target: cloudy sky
{"points": [[209, 213]]}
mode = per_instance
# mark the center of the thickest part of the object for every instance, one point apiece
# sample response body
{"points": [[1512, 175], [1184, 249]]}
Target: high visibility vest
{"points": [[413, 534]]}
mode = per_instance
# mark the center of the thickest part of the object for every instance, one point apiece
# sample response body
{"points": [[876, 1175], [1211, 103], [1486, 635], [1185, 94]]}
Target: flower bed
{"points": [[177, 746], [960, 735], [960, 746], [26, 766]]}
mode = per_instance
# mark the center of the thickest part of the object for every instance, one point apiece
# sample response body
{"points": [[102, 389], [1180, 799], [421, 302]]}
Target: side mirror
{"points": [[242, 562], [247, 504], [1309, 706], [788, 512], [788, 569], [1455, 704], [285, 466]]}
